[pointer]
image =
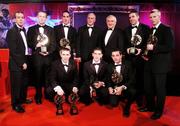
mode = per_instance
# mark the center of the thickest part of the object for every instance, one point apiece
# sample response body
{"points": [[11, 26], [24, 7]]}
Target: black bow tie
{"points": [[21, 29], [89, 27], [154, 28], [96, 63], [118, 65], [133, 27], [109, 28], [41, 26], [66, 26], [66, 65]]}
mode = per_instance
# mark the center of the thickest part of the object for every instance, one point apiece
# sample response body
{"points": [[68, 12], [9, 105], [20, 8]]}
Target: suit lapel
{"points": [[138, 32], [62, 30], [61, 66], [111, 36]]}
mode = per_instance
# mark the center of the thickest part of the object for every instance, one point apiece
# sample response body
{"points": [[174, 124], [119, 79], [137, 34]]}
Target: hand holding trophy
{"points": [[135, 41], [43, 41], [117, 78], [151, 40], [73, 98]]}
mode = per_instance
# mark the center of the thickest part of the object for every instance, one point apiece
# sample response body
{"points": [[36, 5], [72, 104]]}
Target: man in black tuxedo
{"points": [[65, 30], [120, 82], [113, 38], [157, 66], [17, 43], [41, 40], [89, 37], [136, 29], [94, 72], [63, 78]]}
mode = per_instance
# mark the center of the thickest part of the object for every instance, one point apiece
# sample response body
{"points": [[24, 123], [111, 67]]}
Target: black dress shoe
{"points": [[145, 109], [28, 101], [18, 109], [38, 101], [156, 115]]}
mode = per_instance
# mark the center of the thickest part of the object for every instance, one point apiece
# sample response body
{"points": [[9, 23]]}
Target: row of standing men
{"points": [[83, 43]]}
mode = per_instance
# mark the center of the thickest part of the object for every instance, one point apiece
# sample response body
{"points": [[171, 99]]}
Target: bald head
{"points": [[91, 19]]}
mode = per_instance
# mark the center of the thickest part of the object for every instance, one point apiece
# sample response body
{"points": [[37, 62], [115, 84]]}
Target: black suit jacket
{"points": [[160, 58], [116, 41], [90, 75], [142, 30], [58, 75], [32, 34], [59, 34], [86, 43], [127, 73], [17, 49]]}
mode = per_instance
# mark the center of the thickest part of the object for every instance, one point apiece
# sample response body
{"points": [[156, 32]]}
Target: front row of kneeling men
{"points": [[105, 83]]}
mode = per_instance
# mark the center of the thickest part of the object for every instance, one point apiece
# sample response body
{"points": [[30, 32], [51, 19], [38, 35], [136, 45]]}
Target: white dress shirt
{"points": [[156, 27], [134, 30], [66, 29], [108, 34], [65, 67], [24, 39], [96, 66]]}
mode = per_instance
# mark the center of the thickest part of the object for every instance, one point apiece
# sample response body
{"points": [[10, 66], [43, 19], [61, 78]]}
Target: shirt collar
{"points": [[19, 26], [157, 25], [65, 63], [66, 24], [93, 62], [137, 24]]}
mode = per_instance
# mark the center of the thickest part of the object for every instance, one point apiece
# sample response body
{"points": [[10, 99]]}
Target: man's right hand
{"points": [[111, 91], [24, 66], [60, 92]]}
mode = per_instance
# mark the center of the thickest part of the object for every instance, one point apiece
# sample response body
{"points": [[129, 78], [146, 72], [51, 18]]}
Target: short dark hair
{"points": [[97, 48], [42, 12], [64, 49], [66, 11], [17, 13], [134, 11], [117, 50]]}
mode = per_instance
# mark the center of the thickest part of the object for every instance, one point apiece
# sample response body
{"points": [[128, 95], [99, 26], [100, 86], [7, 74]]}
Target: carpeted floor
{"points": [[93, 115]]}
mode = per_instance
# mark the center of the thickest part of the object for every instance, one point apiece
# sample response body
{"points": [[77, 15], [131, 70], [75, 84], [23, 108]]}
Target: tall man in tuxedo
{"points": [[63, 78], [136, 29], [65, 30], [17, 43], [41, 40], [89, 37], [157, 66], [113, 38], [120, 81], [94, 72]]}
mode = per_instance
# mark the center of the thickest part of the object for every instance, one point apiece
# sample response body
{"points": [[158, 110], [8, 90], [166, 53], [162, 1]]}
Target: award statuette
{"points": [[117, 78], [73, 98], [64, 43], [135, 41], [93, 93], [151, 40], [59, 100], [43, 39]]}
